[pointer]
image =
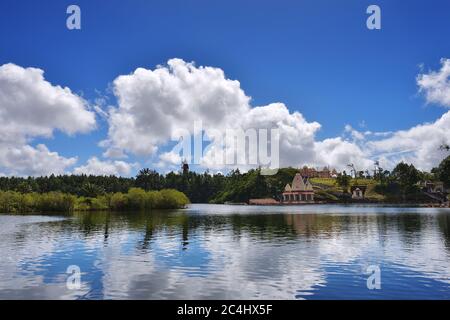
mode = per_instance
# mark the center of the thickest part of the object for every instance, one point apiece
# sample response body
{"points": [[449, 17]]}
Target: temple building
{"points": [[301, 191]]}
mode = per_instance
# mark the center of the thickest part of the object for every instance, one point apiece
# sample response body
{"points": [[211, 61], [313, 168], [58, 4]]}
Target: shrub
{"points": [[172, 199], [135, 199], [153, 199], [118, 201], [55, 202], [15, 202]]}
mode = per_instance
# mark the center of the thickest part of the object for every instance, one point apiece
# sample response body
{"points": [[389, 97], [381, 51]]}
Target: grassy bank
{"points": [[328, 190], [134, 199]]}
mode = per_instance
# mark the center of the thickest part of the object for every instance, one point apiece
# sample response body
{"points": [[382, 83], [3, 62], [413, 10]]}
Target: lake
{"points": [[229, 252]]}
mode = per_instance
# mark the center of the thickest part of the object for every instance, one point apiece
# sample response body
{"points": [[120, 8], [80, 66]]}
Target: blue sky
{"points": [[317, 57]]}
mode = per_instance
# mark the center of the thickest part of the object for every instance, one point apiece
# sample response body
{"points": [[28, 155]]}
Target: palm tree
{"points": [[92, 190]]}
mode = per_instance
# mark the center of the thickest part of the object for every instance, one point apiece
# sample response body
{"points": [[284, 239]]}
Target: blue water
{"points": [[229, 252]]}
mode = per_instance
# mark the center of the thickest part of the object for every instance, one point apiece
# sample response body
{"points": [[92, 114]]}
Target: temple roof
{"points": [[298, 184], [308, 185]]}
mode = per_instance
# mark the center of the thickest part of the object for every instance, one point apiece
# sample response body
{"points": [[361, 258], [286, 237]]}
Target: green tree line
{"points": [[215, 188]]}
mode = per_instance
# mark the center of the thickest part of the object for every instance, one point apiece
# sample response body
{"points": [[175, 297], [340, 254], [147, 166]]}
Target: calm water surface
{"points": [[229, 252]]}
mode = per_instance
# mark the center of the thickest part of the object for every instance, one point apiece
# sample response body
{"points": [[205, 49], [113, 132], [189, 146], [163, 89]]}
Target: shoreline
{"points": [[380, 204], [354, 204]]}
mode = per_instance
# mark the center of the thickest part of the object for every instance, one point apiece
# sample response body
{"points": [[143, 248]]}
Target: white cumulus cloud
{"points": [[95, 166], [158, 106], [419, 145], [25, 160], [436, 84], [30, 107]]}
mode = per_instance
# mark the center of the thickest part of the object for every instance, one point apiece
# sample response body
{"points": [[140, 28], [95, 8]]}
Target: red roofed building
{"points": [[314, 173]]}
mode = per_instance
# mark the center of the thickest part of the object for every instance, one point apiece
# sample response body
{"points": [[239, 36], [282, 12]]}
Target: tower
{"points": [[185, 167]]}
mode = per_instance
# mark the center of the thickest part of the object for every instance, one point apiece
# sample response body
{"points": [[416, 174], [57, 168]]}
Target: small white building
{"points": [[358, 192]]}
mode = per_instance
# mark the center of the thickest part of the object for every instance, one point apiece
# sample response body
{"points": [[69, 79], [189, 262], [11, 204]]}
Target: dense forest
{"points": [[400, 183]]}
